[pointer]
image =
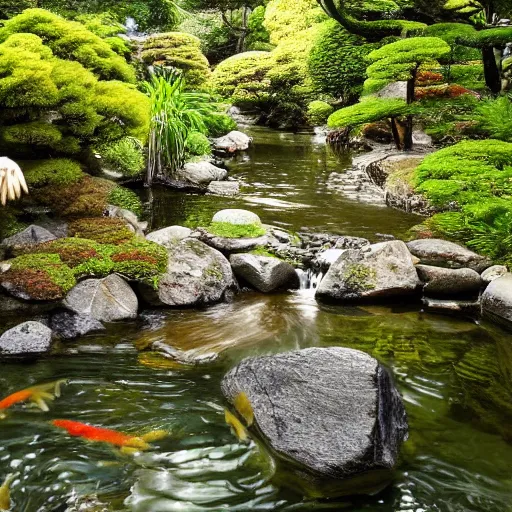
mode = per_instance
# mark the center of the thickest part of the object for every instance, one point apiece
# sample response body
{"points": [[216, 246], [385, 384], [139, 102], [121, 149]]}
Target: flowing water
{"points": [[455, 377]]}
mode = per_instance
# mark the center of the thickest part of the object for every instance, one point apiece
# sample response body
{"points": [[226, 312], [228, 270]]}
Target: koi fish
{"points": [[238, 429], [5, 493], [244, 408], [126, 442], [35, 394]]}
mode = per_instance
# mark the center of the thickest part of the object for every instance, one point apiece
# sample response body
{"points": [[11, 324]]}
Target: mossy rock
{"points": [[55, 172], [103, 230], [228, 230], [42, 277]]}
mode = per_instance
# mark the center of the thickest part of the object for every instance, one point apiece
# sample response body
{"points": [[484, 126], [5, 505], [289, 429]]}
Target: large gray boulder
{"points": [[447, 281], [441, 253], [224, 188], [167, 237], [232, 142], [68, 325], [492, 273], [196, 274], [105, 300], [334, 413], [384, 270], [27, 338], [200, 174], [30, 236], [264, 273], [497, 299], [237, 217]]}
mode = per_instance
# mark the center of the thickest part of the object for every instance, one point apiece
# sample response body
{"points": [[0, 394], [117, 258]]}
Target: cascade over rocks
{"points": [[441, 253], [196, 275], [27, 338], [333, 413], [497, 300], [265, 273], [105, 300], [385, 269]]}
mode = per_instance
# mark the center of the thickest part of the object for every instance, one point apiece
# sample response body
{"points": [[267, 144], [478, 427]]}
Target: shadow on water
{"points": [[455, 377]]}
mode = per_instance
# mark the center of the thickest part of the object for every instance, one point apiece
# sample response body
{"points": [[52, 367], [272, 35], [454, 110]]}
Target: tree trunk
{"points": [[402, 132], [240, 47], [491, 70]]}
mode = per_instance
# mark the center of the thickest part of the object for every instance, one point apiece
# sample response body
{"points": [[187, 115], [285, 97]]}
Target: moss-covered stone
{"points": [[103, 230], [359, 278], [38, 277], [227, 230], [54, 172]]}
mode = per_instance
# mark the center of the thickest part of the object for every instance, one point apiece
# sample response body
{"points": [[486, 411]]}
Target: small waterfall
{"points": [[309, 279], [131, 27]]}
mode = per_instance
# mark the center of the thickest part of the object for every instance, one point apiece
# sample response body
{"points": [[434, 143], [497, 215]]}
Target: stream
{"points": [[455, 376]]}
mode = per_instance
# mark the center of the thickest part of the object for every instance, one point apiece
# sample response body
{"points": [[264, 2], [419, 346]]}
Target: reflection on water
{"points": [[456, 458], [284, 177]]}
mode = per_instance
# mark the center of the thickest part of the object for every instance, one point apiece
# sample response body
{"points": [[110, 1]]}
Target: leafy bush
{"points": [[337, 61], [451, 32], [258, 37], [494, 118], [180, 51], [70, 40], [125, 155], [125, 198], [198, 144], [319, 112], [468, 75], [218, 124]]}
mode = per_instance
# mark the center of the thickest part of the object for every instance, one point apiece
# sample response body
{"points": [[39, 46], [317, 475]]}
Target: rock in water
{"points": [[200, 174], [385, 270], [232, 142], [333, 413], [447, 281], [105, 300], [69, 325], [167, 237], [497, 300], [196, 275], [441, 253], [237, 217], [28, 338], [265, 273], [494, 272]]}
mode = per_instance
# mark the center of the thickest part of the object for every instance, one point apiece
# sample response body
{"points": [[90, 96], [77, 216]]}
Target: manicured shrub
{"points": [[180, 51], [125, 155], [319, 112], [337, 61], [494, 118], [70, 40], [451, 32], [198, 144], [39, 277], [219, 124], [258, 37], [441, 91], [469, 75], [103, 230]]}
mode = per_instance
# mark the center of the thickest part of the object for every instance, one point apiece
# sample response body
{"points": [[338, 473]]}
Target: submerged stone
{"points": [[330, 415], [446, 281], [27, 338], [69, 325]]}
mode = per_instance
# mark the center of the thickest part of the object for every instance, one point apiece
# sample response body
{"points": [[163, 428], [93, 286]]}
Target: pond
{"points": [[455, 376]]}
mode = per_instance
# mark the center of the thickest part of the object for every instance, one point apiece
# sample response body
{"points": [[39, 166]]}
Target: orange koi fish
{"points": [[126, 442], [35, 394]]}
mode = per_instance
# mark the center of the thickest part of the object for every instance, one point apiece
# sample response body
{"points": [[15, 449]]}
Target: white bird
{"points": [[12, 181]]}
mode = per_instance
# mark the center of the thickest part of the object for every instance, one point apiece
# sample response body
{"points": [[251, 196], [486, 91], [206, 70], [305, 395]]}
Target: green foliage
{"points": [[125, 155], [368, 110], [468, 75], [219, 124], [9, 222], [258, 37], [55, 172], [398, 60], [228, 230], [9, 8], [474, 178], [175, 113], [319, 112], [450, 33], [494, 118], [70, 40], [180, 51], [197, 144], [242, 78], [125, 198], [262, 251], [337, 61], [498, 37]]}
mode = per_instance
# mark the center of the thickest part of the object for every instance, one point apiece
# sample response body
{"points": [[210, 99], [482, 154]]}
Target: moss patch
{"points": [[39, 277], [227, 230], [359, 277], [102, 230]]}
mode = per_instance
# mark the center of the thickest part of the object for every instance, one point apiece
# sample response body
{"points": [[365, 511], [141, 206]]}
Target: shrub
{"points": [[70, 40], [494, 118], [451, 32], [319, 112], [218, 124], [468, 75], [337, 61], [441, 91], [103, 230], [39, 277], [258, 37], [125, 198], [227, 230], [198, 144], [178, 50], [125, 155]]}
